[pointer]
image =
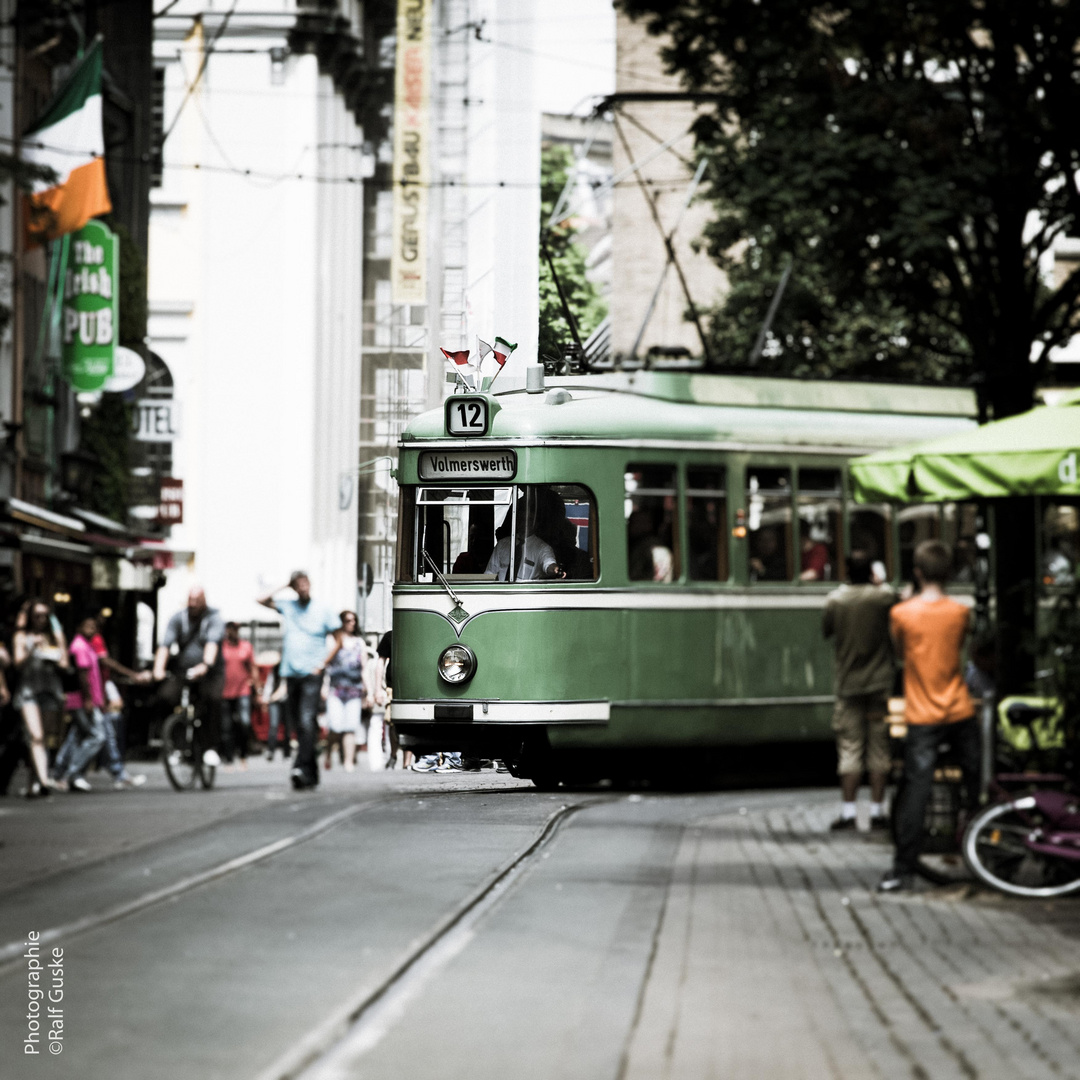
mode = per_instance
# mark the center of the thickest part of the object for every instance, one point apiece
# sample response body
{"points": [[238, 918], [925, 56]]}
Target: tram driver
{"points": [[533, 558]]}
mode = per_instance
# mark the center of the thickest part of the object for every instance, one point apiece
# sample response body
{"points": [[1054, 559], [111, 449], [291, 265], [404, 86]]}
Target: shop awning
{"points": [[30, 514], [1035, 453]]}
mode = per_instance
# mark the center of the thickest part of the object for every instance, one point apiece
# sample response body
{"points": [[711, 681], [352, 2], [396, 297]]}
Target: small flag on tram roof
{"points": [[462, 368], [68, 139], [484, 349], [461, 357], [502, 350]]}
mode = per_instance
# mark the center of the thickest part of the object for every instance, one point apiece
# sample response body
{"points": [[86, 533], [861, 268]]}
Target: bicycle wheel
{"points": [[179, 752], [206, 774], [996, 848]]}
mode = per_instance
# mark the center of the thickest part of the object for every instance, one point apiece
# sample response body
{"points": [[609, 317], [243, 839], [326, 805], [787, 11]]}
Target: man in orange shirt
{"points": [[929, 632]]}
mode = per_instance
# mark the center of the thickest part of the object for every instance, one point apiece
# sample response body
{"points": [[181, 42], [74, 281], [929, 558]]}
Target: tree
{"points": [[916, 158], [582, 296]]}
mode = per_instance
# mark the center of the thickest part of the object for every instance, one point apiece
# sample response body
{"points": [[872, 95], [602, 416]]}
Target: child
{"points": [[929, 632]]}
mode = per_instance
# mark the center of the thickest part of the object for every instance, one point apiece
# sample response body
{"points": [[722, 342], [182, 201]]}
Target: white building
{"points": [[270, 297], [255, 301]]}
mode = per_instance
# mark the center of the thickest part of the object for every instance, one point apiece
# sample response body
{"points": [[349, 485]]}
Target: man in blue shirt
{"points": [[304, 656]]}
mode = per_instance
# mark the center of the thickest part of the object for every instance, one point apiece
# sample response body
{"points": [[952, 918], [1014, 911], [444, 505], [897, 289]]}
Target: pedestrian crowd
{"points": [[45, 678], [61, 710], [877, 635]]}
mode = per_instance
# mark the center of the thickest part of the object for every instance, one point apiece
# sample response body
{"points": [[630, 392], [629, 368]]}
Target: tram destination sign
{"points": [[468, 465]]}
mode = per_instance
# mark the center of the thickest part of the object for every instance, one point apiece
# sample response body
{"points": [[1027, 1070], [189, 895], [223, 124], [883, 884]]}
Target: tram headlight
{"points": [[457, 664]]}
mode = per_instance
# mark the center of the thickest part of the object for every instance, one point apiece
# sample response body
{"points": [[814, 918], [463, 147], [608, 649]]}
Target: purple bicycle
{"points": [[1028, 845]]}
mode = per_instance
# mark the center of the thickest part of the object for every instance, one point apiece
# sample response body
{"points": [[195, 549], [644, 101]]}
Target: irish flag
{"points": [[68, 139]]}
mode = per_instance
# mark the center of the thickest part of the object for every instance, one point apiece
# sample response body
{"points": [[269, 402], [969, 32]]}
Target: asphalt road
{"points": [[440, 926]]}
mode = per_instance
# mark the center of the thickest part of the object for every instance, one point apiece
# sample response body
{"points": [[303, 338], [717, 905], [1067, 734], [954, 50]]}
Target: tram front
{"points": [[498, 552]]}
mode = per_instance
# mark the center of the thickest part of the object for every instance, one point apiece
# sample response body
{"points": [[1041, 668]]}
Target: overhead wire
{"points": [[207, 53], [621, 180]]}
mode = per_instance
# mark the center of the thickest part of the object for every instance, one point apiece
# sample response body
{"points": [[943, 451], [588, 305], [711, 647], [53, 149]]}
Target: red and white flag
{"points": [[462, 368], [502, 350], [461, 357]]}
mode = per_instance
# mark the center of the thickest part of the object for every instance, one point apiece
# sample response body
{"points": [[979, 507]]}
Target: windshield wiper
{"points": [[442, 581]]}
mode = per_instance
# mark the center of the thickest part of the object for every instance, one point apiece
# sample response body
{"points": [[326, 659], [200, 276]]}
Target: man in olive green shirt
{"points": [[857, 617]]}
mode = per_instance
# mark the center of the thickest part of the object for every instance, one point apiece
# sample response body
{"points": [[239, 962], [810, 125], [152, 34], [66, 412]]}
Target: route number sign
{"points": [[466, 416]]}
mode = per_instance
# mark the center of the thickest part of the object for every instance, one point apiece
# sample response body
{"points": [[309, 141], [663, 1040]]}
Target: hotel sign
{"points": [[412, 171]]}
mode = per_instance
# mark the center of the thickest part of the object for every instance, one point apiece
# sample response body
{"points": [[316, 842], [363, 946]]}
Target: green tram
{"points": [[626, 566]]}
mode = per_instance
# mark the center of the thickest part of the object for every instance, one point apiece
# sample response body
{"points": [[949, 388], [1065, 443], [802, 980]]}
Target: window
{"points": [[871, 535], [157, 127], [535, 532], [1060, 553], [917, 523], [954, 523], [651, 536], [706, 512], [768, 523], [959, 528], [820, 524]]}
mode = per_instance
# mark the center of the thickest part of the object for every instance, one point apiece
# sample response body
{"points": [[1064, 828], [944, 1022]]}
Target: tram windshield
{"points": [[523, 532]]}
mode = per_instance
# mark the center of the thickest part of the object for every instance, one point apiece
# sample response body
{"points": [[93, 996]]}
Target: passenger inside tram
{"points": [[768, 561], [815, 563], [650, 559]]}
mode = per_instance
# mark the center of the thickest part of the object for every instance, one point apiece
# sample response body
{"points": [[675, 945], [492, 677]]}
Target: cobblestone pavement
{"points": [[772, 927], [253, 932]]}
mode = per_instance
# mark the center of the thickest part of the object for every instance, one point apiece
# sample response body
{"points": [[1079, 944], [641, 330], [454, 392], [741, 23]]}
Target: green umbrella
{"points": [[1035, 453]]}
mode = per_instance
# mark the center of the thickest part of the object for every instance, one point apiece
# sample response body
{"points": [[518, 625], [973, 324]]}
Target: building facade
{"points": [[255, 293], [481, 234], [654, 166]]}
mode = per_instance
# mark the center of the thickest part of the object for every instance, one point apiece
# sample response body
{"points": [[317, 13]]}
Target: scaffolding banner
{"points": [[412, 92]]}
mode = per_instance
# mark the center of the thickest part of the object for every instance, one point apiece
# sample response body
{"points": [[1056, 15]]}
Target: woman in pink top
{"points": [[87, 733], [240, 680]]}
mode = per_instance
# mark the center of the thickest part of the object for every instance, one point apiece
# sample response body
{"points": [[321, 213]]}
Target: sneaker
{"points": [[895, 881], [843, 824], [879, 824], [451, 763], [211, 758], [125, 782], [427, 763], [79, 783]]}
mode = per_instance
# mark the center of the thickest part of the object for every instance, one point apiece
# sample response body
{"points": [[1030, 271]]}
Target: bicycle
{"points": [[1028, 845], [182, 750]]}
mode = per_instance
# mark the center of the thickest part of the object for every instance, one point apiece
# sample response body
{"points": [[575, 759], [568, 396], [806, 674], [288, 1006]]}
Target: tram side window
{"points": [[871, 534], [768, 500], [706, 509], [820, 524], [959, 528], [530, 532], [1060, 542], [651, 536], [917, 523]]}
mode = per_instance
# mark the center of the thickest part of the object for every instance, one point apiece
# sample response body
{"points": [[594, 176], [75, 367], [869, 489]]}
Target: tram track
{"points": [[359, 1024], [11, 952]]}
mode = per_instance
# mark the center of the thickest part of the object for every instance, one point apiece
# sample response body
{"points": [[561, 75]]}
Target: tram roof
{"points": [[724, 409]]}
